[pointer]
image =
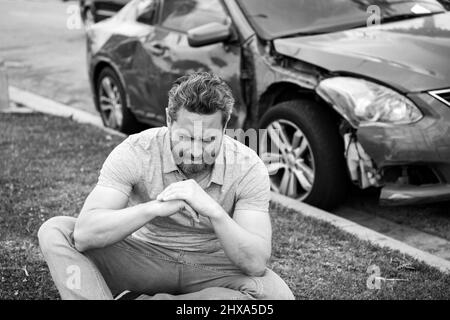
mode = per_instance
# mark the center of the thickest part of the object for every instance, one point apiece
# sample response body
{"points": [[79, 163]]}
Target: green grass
{"points": [[319, 261], [49, 165]]}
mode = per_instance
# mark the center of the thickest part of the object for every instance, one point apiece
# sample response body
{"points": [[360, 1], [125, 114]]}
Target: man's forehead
{"points": [[193, 124], [197, 131]]}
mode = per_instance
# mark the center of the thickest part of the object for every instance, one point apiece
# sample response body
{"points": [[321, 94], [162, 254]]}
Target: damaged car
{"points": [[344, 90]]}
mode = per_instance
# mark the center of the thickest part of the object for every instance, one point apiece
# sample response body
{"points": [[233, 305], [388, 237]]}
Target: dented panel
{"points": [[151, 58], [427, 141], [179, 59], [270, 70], [410, 55]]}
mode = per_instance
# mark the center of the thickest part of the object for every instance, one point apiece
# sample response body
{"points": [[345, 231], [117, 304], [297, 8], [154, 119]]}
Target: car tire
{"points": [[111, 101], [314, 150]]}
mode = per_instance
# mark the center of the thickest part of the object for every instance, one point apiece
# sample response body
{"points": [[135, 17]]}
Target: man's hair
{"points": [[202, 93]]}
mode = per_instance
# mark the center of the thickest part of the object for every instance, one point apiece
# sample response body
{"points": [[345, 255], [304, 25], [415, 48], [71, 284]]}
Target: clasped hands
{"points": [[187, 196]]}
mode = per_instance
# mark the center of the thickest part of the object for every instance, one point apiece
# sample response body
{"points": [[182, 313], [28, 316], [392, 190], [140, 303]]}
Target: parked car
{"points": [[353, 101], [93, 11]]}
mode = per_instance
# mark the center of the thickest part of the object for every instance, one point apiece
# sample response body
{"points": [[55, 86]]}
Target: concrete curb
{"points": [[361, 232], [44, 105]]}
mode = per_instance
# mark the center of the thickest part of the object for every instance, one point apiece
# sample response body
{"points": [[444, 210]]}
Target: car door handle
{"points": [[157, 48]]}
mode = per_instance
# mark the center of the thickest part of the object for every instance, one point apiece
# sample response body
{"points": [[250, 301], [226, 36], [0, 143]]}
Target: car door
{"points": [[172, 56], [104, 9], [134, 61]]}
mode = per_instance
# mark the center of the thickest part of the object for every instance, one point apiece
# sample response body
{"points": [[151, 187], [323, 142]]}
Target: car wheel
{"points": [[304, 153], [112, 103]]}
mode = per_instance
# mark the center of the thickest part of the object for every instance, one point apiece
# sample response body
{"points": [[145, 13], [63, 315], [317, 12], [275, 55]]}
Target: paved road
{"points": [[43, 53]]}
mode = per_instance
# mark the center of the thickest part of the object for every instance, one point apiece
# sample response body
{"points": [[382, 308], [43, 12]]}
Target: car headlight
{"points": [[367, 103]]}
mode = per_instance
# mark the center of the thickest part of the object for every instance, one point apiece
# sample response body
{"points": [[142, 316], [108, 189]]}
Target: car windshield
{"points": [[279, 18], [133, 9]]}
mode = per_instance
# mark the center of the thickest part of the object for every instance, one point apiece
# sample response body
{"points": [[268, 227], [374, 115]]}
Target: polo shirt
{"points": [[142, 166]]}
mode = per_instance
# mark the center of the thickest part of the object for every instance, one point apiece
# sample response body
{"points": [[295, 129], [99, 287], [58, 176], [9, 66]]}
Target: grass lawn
{"points": [[49, 165]]}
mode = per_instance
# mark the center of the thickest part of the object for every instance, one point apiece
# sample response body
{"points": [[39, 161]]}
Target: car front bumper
{"points": [[426, 142]]}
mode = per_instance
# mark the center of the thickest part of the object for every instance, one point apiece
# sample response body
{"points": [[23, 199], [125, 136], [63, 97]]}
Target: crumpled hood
{"points": [[411, 55]]}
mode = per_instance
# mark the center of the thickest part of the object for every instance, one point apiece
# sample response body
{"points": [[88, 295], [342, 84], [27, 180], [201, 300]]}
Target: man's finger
{"points": [[172, 196], [169, 190], [193, 213], [161, 195]]}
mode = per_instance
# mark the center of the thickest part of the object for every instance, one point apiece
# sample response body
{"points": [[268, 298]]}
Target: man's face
{"points": [[195, 140]]}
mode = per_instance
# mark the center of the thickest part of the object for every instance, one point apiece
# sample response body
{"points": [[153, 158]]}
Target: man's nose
{"points": [[197, 150]]}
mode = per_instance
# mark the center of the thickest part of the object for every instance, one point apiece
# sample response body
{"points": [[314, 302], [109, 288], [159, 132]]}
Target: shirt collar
{"points": [[168, 160], [169, 165], [218, 170]]}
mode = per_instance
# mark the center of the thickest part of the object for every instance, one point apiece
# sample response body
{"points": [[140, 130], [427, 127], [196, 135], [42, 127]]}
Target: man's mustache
{"points": [[188, 158]]}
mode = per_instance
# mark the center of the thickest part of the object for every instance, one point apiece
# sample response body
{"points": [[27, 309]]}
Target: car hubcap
{"points": [[110, 103], [289, 160]]}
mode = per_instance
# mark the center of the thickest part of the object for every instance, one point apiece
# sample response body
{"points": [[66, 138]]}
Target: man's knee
{"points": [[55, 232], [273, 287]]}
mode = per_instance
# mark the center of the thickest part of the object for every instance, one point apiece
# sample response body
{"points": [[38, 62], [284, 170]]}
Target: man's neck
{"points": [[200, 177]]}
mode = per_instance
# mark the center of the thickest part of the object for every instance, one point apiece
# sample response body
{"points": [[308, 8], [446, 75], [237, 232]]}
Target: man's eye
{"points": [[209, 140]]}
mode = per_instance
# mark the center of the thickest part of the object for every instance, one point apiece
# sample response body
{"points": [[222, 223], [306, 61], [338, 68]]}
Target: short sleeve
{"points": [[121, 169], [253, 191]]}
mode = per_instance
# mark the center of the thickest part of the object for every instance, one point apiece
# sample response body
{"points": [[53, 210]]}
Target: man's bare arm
{"points": [[245, 238], [104, 218]]}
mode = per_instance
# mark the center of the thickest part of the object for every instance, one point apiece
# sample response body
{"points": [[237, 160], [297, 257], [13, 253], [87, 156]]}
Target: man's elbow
{"points": [[256, 264], [256, 268], [80, 241], [84, 240]]}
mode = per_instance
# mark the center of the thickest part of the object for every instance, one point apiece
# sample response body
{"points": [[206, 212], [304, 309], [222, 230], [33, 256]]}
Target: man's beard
{"points": [[192, 169]]}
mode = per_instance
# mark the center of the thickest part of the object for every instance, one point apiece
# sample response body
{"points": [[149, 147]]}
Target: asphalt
{"points": [[44, 48], [418, 239]]}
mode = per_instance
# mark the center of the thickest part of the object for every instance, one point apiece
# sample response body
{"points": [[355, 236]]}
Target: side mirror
{"points": [[210, 33]]}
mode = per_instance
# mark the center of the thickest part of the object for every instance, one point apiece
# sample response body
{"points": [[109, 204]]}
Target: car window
{"points": [[144, 11], [147, 13], [182, 15]]}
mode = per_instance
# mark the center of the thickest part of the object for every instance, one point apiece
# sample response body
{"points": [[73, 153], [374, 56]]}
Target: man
{"points": [[179, 212]]}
